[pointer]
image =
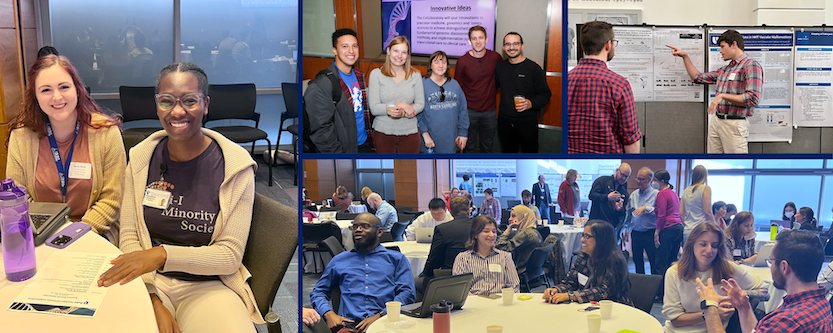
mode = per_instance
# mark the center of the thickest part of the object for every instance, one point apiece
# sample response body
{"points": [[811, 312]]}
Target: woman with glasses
{"points": [[186, 215], [599, 273], [59, 115], [444, 123], [704, 256], [521, 237], [395, 97], [493, 269], [696, 202], [669, 232]]}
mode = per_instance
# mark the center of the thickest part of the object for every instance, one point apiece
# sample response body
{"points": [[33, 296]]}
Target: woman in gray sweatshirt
{"points": [[399, 85], [444, 124]]}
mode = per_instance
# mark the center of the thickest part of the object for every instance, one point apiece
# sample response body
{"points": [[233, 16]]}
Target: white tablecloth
{"points": [[356, 209], [417, 254], [776, 296], [570, 237], [533, 315], [126, 308]]}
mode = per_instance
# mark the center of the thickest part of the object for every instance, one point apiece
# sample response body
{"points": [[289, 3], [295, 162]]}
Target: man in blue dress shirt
{"points": [[384, 211], [368, 276]]}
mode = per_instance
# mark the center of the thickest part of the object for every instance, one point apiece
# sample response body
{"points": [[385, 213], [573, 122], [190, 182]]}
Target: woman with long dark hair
{"points": [[788, 213], [669, 232], [740, 238], [805, 219], [58, 114], [493, 269], [601, 263]]}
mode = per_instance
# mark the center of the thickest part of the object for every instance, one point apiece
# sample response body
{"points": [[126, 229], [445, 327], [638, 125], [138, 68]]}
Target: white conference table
{"points": [[125, 308], [417, 254], [570, 236], [532, 315], [776, 296]]}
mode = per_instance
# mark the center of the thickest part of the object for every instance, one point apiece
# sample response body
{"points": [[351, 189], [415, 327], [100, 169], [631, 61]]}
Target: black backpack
{"points": [[309, 146]]}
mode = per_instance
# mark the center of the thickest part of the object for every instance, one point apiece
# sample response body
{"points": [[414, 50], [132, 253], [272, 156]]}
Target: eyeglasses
{"points": [[772, 262], [442, 94], [512, 44], [623, 174], [362, 226], [585, 235], [190, 101], [642, 179], [615, 42]]}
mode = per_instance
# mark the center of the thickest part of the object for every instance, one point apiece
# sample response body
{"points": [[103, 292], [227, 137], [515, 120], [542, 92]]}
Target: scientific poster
{"points": [[508, 185], [773, 49], [633, 57], [484, 181], [813, 78], [671, 81]]}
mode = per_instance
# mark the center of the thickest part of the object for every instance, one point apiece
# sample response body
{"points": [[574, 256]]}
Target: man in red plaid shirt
{"points": [[795, 262], [738, 92], [491, 206], [600, 108]]}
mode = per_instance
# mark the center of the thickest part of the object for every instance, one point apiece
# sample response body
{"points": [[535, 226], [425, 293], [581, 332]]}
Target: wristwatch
{"points": [[383, 313], [706, 303], [570, 295]]}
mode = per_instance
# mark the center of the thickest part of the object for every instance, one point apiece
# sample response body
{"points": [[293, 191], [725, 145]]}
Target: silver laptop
{"points": [[763, 253], [424, 235], [46, 218]]}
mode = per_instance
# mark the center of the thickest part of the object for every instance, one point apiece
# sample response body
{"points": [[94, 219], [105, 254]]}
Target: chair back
{"points": [[535, 265], [346, 216], [544, 231], [393, 248], [269, 250], [439, 272], [386, 237], [232, 101], [404, 217], [643, 289], [334, 245], [398, 230], [512, 203], [290, 99], [138, 103], [315, 233]]}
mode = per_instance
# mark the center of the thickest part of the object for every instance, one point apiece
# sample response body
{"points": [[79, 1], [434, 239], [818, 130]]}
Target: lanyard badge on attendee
{"points": [[63, 168], [156, 193]]}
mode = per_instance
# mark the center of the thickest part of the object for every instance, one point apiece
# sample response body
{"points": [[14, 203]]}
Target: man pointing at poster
{"points": [[738, 92]]}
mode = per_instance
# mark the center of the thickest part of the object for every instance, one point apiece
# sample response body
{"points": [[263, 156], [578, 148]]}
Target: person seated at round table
{"points": [[805, 219], [342, 199], [731, 211], [704, 256], [788, 213], [493, 269], [521, 237], [719, 212], [86, 174], [740, 238], [366, 192], [599, 273], [186, 215]]}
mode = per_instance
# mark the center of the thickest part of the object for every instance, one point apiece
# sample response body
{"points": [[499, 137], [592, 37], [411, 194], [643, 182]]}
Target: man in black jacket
{"points": [[339, 122], [542, 197], [609, 195], [449, 240]]}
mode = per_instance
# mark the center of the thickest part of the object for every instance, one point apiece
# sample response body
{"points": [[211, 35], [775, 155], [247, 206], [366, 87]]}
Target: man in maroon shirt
{"points": [[475, 71]]}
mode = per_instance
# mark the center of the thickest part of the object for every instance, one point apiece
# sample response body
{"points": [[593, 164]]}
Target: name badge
{"points": [[156, 198], [582, 279], [78, 170], [494, 268], [732, 76], [736, 253]]}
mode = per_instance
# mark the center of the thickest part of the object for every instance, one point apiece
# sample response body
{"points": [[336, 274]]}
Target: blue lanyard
{"points": [[63, 169]]}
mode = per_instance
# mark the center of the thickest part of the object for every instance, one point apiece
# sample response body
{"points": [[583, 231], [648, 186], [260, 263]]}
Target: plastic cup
{"points": [[393, 310], [545, 221], [607, 308], [390, 108], [594, 323], [560, 223], [494, 329], [518, 100], [508, 296]]}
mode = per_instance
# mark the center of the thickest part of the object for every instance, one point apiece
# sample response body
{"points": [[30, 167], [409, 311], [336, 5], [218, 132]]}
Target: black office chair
{"points": [[333, 245], [269, 249], [290, 99], [512, 203], [346, 216], [393, 248], [138, 103], [398, 231], [643, 290], [535, 269], [294, 130], [386, 237], [237, 101], [544, 231], [314, 236]]}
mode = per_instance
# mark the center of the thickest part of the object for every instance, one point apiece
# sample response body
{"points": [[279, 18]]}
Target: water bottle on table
{"points": [[17, 238]]}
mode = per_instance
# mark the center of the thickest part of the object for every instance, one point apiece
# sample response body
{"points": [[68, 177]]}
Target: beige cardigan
{"points": [[107, 158], [224, 255]]}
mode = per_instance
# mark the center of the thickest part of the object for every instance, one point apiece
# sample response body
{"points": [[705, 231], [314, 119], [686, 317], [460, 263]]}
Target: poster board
{"points": [[813, 78]]}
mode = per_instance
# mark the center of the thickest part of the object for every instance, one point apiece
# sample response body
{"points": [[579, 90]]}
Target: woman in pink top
{"points": [[669, 233]]}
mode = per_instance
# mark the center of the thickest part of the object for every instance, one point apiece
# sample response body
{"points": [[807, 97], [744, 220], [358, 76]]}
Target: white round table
{"points": [[125, 308], [356, 209], [776, 296], [417, 254], [532, 315], [761, 238], [570, 236]]}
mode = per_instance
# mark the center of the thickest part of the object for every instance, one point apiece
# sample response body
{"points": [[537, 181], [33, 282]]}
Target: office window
{"points": [[723, 164], [824, 212], [772, 192], [731, 190], [114, 43], [789, 164], [319, 25]]}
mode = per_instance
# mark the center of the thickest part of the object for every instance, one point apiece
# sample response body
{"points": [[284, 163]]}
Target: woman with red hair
{"points": [[59, 115]]}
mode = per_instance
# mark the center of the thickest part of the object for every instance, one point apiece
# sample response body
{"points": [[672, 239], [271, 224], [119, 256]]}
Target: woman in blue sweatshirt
{"points": [[444, 123]]}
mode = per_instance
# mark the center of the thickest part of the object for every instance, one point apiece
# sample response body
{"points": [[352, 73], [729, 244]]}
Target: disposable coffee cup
{"points": [[545, 221], [508, 296], [494, 329], [393, 310], [560, 223], [607, 308], [594, 323]]}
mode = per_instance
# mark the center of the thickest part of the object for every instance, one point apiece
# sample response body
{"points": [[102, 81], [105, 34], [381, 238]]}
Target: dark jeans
{"points": [[518, 134], [366, 147], [482, 124], [669, 246], [644, 241]]}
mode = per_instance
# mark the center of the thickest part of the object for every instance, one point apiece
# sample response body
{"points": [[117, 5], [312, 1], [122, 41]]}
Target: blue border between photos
{"points": [[299, 251]]}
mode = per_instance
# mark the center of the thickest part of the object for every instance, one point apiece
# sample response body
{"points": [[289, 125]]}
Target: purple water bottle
{"points": [[17, 239]]}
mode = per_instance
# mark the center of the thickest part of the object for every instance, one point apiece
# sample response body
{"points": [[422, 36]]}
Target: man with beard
{"points": [[385, 212], [342, 127], [795, 260], [367, 276], [449, 239], [475, 71], [600, 108], [608, 196], [518, 76], [739, 86], [526, 199]]}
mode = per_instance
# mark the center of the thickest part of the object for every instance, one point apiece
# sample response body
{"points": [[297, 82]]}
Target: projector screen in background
{"points": [[432, 25]]}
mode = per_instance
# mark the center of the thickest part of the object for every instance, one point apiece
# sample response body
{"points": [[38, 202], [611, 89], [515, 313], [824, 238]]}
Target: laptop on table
{"points": [[424, 235], [763, 253], [46, 218], [454, 289]]}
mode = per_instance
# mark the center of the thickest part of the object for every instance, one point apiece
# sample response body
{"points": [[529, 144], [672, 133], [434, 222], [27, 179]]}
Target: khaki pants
{"points": [[728, 136], [207, 306]]}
